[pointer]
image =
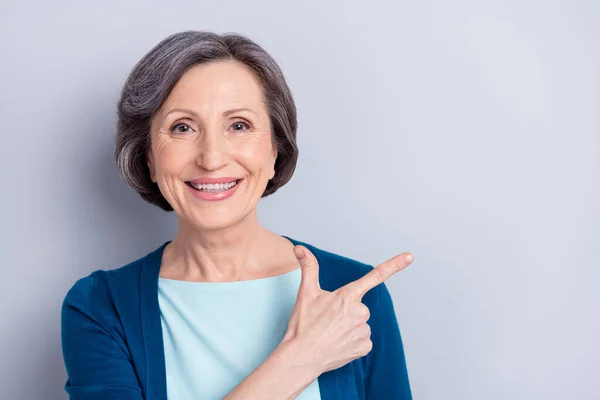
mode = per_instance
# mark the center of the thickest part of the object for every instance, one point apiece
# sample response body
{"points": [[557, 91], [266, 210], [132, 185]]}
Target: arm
{"points": [[387, 377], [97, 367], [281, 376]]}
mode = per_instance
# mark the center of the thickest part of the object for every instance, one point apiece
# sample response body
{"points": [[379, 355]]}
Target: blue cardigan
{"points": [[113, 347]]}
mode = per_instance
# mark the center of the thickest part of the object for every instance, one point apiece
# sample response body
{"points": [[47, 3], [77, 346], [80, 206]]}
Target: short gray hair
{"points": [[154, 76]]}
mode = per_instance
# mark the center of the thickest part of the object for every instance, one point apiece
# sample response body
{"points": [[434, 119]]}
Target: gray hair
{"points": [[154, 76]]}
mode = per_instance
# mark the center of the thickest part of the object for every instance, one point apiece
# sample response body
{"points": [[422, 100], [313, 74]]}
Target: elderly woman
{"points": [[227, 309]]}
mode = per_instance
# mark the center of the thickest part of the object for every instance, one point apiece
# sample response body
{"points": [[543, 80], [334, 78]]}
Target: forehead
{"points": [[216, 85]]}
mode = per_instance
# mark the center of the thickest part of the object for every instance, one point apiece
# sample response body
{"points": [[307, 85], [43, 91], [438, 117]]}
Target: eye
{"points": [[180, 129], [240, 126]]}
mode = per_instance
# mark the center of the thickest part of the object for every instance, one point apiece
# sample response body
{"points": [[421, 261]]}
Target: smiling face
{"points": [[213, 125]]}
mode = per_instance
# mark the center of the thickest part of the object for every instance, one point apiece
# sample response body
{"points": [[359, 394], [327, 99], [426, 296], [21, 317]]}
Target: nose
{"points": [[212, 150]]}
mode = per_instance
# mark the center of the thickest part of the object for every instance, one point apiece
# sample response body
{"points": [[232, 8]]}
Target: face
{"points": [[212, 132]]}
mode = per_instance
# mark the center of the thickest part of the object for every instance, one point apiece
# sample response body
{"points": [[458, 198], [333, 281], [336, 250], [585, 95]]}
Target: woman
{"points": [[227, 309]]}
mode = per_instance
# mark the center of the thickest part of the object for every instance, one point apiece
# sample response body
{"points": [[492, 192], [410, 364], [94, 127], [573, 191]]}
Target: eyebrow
{"points": [[225, 114]]}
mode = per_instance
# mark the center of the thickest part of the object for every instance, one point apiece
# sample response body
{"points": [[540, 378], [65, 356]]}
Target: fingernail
{"points": [[409, 258], [299, 253]]}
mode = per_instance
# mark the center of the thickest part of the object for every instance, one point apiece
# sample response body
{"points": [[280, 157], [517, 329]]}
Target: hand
{"points": [[329, 329]]}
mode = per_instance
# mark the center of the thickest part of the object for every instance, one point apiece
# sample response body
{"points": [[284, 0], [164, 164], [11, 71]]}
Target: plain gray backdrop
{"points": [[465, 132]]}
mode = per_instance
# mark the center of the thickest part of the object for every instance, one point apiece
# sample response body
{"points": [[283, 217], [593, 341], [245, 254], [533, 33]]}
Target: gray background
{"points": [[465, 132]]}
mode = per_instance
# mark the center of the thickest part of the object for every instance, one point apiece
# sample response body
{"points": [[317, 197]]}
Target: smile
{"points": [[213, 187], [214, 191]]}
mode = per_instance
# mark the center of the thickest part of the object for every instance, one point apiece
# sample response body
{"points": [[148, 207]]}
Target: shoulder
{"points": [[86, 289], [103, 294], [81, 294]]}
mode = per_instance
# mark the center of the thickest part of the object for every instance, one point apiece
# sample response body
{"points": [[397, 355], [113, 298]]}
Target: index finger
{"points": [[378, 275]]}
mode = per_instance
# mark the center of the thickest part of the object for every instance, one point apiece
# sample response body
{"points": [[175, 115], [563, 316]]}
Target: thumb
{"points": [[310, 269]]}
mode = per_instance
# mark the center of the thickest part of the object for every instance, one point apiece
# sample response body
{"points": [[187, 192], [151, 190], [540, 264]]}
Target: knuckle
{"points": [[362, 316], [366, 347], [310, 262], [362, 333], [310, 257], [341, 292], [366, 331], [365, 312], [346, 292], [380, 274]]}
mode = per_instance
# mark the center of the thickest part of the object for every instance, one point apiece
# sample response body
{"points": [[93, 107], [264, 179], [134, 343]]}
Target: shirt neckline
{"points": [[223, 283], [229, 283]]}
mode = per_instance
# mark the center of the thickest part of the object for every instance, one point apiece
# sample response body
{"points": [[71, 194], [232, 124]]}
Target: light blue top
{"points": [[216, 333]]}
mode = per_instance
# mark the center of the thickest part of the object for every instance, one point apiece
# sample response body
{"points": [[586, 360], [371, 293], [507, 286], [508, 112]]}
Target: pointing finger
{"points": [[378, 275]]}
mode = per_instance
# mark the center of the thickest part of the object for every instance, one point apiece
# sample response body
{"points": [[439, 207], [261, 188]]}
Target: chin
{"points": [[210, 220]]}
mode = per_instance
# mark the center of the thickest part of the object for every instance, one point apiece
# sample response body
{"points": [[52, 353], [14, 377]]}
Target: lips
{"points": [[214, 190]]}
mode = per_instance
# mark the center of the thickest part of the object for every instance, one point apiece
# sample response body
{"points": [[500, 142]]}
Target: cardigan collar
{"points": [[156, 379]]}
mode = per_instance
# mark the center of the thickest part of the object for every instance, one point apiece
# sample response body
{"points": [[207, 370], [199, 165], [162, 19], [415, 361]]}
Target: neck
{"points": [[227, 254]]}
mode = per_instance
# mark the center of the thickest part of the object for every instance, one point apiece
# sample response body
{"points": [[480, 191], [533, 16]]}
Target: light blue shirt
{"points": [[216, 333]]}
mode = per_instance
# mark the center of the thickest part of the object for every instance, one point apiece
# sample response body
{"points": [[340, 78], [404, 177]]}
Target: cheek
{"points": [[171, 157], [256, 159]]}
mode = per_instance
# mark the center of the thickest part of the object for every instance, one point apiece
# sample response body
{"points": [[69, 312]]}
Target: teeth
{"points": [[213, 187]]}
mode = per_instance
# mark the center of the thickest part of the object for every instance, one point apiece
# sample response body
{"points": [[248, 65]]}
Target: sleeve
{"points": [[387, 376], [97, 367]]}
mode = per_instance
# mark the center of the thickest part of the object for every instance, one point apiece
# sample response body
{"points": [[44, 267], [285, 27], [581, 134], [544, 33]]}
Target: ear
{"points": [[272, 173], [150, 163]]}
